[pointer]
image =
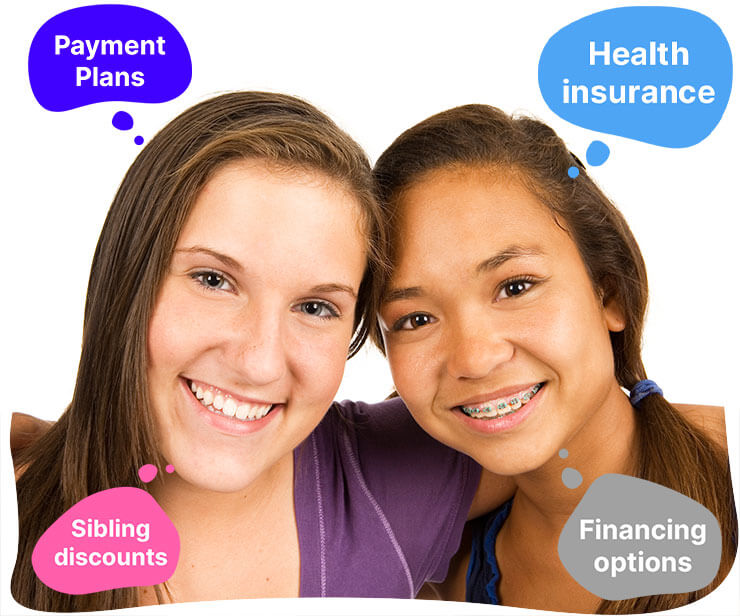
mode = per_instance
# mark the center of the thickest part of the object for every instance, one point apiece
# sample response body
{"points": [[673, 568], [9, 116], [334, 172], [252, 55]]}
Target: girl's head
{"points": [[238, 256], [510, 281], [516, 285]]}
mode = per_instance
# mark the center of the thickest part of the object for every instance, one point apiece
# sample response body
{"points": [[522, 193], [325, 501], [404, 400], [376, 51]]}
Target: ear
{"points": [[614, 314], [613, 308]]}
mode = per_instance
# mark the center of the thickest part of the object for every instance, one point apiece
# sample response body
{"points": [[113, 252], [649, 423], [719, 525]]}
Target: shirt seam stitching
{"points": [[322, 529], [381, 515]]}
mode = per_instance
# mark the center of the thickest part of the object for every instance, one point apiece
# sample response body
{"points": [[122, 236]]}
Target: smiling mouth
{"points": [[223, 404], [493, 409]]}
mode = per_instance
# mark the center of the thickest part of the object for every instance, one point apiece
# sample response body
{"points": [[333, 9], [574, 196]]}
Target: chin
{"points": [[225, 483], [514, 461], [507, 468]]}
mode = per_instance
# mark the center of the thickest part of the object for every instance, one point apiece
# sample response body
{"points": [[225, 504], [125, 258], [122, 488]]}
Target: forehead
{"points": [[462, 213], [250, 209]]}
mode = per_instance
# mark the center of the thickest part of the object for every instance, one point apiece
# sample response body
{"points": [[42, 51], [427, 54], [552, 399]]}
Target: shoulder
{"points": [[388, 419], [25, 430], [709, 419]]}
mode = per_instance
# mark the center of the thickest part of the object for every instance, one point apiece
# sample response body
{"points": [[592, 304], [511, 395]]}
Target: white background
{"points": [[376, 68]]}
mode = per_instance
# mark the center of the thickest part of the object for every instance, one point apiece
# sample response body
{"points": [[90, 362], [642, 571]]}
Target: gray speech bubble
{"points": [[630, 537]]}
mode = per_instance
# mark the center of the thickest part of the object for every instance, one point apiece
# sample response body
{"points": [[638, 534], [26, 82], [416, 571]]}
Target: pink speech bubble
{"points": [[116, 538]]}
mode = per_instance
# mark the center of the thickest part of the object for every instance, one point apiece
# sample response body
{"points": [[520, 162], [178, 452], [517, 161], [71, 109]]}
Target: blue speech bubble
{"points": [[107, 52], [659, 75]]}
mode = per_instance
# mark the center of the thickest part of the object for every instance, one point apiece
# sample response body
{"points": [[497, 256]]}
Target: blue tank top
{"points": [[483, 572]]}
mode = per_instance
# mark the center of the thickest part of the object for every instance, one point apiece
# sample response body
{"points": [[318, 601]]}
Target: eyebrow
{"points": [[510, 252], [396, 295], [225, 259], [333, 287]]}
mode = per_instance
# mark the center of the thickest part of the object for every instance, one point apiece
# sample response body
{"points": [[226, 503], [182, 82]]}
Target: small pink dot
{"points": [[147, 472], [169, 468]]}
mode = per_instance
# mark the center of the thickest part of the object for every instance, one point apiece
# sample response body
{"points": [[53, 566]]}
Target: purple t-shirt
{"points": [[379, 504]]}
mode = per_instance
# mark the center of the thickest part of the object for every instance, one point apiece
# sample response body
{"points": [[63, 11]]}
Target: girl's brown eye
{"points": [[419, 320], [414, 321], [513, 288]]}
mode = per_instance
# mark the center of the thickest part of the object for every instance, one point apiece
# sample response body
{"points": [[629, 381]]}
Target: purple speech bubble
{"points": [[107, 52]]}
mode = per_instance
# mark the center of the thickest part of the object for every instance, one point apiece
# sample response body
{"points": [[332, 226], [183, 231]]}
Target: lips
{"points": [[227, 404], [502, 405]]}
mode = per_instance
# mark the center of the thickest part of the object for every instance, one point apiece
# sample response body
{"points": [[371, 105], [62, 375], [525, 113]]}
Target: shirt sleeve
{"points": [[423, 488]]}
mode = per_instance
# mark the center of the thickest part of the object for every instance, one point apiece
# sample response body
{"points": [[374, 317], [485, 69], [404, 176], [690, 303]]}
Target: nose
{"points": [[258, 349], [477, 348]]}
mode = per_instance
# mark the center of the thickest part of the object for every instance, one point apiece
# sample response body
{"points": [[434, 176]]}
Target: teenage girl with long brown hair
{"points": [[238, 258], [513, 323]]}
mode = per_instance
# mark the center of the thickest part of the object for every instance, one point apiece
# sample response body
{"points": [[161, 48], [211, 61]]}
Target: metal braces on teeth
{"points": [[513, 404]]}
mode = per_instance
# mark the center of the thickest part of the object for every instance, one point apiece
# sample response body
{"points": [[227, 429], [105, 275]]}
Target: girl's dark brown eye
{"points": [[515, 288], [419, 320], [414, 321]]}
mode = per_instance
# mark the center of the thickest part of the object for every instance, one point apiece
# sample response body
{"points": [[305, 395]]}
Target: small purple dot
{"points": [[138, 140], [123, 121]]}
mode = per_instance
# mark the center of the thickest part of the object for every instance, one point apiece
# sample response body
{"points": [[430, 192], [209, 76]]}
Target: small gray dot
{"points": [[563, 453], [571, 478]]}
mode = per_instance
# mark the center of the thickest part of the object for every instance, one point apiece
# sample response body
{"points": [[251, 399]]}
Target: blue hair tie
{"points": [[642, 390]]}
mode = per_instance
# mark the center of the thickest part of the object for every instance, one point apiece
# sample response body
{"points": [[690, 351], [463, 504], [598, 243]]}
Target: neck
{"points": [[250, 533], [194, 508], [604, 444]]}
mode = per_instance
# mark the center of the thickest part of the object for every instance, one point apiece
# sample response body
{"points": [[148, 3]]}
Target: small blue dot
{"points": [[138, 140], [573, 172], [597, 153]]}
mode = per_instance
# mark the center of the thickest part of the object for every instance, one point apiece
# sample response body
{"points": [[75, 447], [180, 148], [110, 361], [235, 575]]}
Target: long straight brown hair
{"points": [[670, 450], [107, 432]]}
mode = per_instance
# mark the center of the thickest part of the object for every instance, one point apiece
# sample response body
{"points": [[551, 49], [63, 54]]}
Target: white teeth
{"points": [[242, 411], [221, 404], [229, 407]]}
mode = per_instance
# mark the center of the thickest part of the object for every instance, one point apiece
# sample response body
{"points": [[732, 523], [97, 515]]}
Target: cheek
{"points": [[413, 371], [572, 338], [170, 333], [317, 360], [161, 339], [182, 326]]}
